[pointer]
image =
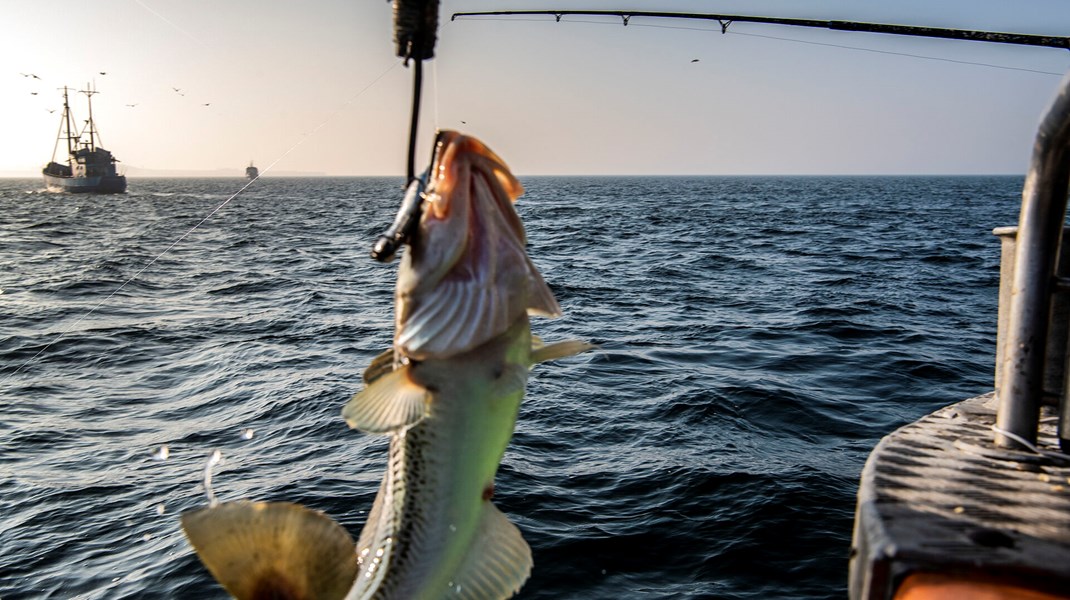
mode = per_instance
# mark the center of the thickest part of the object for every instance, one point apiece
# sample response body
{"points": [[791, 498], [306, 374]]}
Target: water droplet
{"points": [[114, 579], [458, 589], [213, 460], [146, 537], [247, 434], [161, 453], [160, 509], [453, 528]]}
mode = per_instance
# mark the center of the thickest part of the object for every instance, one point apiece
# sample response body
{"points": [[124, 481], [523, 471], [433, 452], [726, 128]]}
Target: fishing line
{"points": [[782, 39], [171, 23], [906, 54], [434, 90], [302, 140], [1030, 446]]}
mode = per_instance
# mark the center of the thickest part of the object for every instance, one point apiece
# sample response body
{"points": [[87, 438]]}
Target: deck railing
{"points": [[1026, 318]]}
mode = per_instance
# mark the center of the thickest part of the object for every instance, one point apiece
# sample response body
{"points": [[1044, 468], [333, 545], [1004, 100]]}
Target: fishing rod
{"points": [[415, 26], [726, 20]]}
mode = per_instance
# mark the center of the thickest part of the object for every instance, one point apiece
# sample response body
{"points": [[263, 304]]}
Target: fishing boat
{"points": [[89, 167], [251, 172]]}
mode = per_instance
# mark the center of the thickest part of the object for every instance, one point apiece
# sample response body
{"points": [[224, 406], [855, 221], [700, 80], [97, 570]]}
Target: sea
{"points": [[756, 337]]}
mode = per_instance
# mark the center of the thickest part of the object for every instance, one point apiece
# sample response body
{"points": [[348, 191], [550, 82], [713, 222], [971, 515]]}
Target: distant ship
{"points": [[251, 172], [89, 167]]}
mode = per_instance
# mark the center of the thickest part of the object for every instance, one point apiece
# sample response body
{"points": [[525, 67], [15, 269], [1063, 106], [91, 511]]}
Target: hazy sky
{"points": [[314, 86]]}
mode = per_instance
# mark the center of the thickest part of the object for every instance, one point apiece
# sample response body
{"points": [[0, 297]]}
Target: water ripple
{"points": [[756, 336]]}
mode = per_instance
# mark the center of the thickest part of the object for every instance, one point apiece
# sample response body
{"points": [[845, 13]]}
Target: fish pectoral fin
{"points": [[388, 403], [498, 561], [544, 352], [542, 302], [273, 550], [380, 365]]}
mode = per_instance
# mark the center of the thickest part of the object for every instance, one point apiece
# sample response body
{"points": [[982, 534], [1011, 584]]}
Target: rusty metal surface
{"points": [[939, 496]]}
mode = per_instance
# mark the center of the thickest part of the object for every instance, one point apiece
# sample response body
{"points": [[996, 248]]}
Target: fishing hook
{"points": [[405, 222], [408, 217]]}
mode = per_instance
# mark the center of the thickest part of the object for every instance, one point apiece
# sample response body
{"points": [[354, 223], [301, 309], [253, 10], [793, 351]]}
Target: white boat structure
{"points": [[89, 167]]}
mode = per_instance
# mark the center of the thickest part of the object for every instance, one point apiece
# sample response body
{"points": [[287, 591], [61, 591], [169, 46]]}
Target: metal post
{"points": [[1039, 227]]}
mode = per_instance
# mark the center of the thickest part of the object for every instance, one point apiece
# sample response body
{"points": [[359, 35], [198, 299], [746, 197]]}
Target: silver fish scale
{"points": [[407, 525]]}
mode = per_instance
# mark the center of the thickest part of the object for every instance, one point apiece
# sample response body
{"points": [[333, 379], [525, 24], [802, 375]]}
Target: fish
{"points": [[447, 393]]}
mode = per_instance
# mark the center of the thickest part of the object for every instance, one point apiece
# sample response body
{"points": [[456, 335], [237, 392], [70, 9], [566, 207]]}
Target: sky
{"points": [[313, 87]]}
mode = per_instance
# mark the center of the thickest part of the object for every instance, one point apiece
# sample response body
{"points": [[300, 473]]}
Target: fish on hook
{"points": [[447, 394]]}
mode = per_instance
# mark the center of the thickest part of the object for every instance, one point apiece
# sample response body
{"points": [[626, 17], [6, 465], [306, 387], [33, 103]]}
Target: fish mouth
{"points": [[466, 276]]}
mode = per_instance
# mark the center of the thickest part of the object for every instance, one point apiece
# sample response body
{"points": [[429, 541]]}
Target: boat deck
{"points": [[938, 496]]}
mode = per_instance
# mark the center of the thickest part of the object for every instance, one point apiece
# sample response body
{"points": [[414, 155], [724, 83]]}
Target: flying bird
{"points": [[207, 103], [131, 105], [33, 93], [103, 73], [694, 60], [29, 75], [50, 110]]}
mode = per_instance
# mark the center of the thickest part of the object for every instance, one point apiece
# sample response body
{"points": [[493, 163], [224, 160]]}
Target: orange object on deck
{"points": [[930, 586]]}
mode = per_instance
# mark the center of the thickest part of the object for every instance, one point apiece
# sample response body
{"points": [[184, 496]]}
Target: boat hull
{"points": [[101, 184]]}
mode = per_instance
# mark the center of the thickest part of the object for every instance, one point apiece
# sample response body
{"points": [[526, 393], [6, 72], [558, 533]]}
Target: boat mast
{"points": [[89, 124], [67, 119], [59, 132]]}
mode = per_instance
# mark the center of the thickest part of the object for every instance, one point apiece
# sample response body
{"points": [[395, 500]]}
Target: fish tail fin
{"points": [[498, 561], [273, 550], [542, 353]]}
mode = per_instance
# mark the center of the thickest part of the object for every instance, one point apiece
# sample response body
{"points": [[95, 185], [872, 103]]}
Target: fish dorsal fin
{"points": [[498, 561], [391, 401], [541, 352], [380, 365], [273, 550]]}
